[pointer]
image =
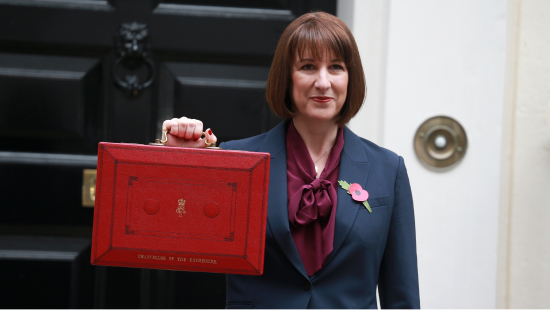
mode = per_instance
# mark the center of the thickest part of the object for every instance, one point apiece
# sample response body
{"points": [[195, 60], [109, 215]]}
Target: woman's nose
{"points": [[322, 81]]}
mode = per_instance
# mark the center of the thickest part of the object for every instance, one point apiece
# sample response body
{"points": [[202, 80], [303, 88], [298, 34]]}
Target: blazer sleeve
{"points": [[398, 277]]}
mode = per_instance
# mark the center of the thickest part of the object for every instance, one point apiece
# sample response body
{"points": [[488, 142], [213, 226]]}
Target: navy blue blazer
{"points": [[370, 249]]}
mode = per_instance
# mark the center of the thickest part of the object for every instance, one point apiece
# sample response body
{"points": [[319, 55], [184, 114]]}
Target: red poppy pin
{"points": [[357, 193]]}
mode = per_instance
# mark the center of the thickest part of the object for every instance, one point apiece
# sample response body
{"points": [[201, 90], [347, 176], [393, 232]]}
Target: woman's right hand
{"points": [[186, 132]]}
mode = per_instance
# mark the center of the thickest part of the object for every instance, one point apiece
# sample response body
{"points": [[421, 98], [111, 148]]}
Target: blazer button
{"points": [[306, 286]]}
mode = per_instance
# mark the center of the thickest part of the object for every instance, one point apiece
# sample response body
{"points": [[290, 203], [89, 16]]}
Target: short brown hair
{"points": [[315, 32]]}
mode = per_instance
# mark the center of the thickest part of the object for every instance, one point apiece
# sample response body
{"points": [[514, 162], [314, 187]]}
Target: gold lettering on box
{"points": [[203, 261], [179, 259], [181, 207], [154, 257]]}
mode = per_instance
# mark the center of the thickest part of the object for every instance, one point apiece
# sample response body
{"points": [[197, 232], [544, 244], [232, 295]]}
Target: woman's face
{"points": [[319, 87]]}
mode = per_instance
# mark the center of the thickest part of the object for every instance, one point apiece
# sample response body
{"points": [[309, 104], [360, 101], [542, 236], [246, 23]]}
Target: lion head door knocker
{"points": [[132, 47]]}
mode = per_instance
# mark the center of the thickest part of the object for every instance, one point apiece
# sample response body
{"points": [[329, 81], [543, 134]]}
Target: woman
{"points": [[324, 249]]}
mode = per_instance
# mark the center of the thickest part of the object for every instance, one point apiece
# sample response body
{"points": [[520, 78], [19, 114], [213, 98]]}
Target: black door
{"points": [[77, 72]]}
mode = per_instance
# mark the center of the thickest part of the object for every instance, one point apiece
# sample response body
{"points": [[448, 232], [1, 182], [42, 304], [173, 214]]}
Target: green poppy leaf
{"points": [[366, 204], [345, 185]]}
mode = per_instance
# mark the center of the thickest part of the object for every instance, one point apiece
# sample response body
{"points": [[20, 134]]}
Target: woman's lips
{"points": [[321, 99]]}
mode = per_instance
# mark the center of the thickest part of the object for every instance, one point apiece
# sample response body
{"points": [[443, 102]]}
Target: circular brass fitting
{"points": [[440, 141]]}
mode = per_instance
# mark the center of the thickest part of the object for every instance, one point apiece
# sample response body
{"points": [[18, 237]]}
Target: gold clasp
{"points": [[164, 137], [212, 144], [162, 142]]}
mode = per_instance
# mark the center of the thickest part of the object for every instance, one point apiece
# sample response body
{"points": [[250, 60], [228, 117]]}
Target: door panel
{"points": [[45, 272], [25, 201], [49, 103], [229, 98]]}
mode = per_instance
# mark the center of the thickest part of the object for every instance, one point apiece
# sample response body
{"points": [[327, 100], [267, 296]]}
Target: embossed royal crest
{"points": [[181, 207]]}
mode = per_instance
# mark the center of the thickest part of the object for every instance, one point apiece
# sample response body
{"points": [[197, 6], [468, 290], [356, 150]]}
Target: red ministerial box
{"points": [[180, 208]]}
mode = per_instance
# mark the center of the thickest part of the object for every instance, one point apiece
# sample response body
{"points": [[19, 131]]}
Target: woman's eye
{"points": [[307, 67], [337, 67]]}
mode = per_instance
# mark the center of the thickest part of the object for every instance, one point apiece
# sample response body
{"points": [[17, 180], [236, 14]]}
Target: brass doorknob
{"points": [[440, 141]]}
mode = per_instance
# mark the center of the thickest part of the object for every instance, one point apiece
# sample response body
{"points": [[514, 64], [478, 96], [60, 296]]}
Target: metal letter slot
{"points": [[88, 187], [440, 142]]}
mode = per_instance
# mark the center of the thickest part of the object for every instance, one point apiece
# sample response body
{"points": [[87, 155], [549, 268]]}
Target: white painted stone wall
{"points": [[428, 58], [369, 21], [524, 248]]}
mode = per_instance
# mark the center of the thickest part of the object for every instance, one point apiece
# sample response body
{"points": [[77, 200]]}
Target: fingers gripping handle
{"points": [[165, 133]]}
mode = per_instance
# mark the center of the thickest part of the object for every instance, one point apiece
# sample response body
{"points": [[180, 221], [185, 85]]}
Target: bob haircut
{"points": [[317, 33]]}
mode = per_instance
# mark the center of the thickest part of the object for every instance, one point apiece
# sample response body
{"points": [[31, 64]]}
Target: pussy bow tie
{"points": [[313, 201]]}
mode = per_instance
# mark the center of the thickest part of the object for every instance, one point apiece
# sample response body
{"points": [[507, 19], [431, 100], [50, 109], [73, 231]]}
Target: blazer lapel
{"points": [[354, 168], [277, 209]]}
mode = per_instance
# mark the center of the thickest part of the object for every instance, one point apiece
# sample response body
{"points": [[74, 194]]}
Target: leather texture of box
{"points": [[180, 208]]}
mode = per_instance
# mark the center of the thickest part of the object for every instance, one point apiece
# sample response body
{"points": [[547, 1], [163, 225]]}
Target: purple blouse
{"points": [[311, 201]]}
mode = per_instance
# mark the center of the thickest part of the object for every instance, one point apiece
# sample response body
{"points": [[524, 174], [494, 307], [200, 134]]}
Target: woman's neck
{"points": [[318, 136]]}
